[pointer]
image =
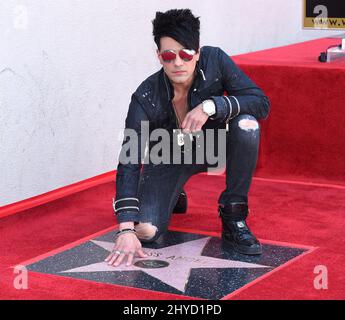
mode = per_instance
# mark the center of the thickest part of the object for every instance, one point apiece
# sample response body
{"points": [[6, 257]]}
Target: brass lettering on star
{"points": [[151, 264], [188, 259]]}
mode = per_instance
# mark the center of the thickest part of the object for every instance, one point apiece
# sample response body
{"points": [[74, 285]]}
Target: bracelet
{"points": [[123, 231]]}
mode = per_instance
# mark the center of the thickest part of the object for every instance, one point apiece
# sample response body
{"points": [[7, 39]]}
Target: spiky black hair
{"points": [[179, 24]]}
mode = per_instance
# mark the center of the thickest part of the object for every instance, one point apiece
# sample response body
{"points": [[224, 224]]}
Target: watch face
{"points": [[209, 108]]}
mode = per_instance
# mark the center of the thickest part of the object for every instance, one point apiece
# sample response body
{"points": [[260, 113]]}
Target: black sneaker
{"points": [[237, 235], [181, 204]]}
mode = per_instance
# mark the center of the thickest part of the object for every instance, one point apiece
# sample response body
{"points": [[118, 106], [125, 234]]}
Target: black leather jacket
{"points": [[216, 73]]}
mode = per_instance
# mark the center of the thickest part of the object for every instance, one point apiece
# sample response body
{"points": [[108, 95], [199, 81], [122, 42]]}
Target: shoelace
{"points": [[243, 232]]}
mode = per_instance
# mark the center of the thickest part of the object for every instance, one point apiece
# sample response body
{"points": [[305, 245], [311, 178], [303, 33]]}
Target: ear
{"points": [[159, 57], [197, 55]]}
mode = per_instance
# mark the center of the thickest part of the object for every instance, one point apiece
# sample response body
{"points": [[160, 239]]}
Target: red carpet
{"points": [[303, 54], [301, 214], [303, 140], [303, 137]]}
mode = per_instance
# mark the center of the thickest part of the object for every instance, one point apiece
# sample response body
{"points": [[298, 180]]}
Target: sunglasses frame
{"points": [[185, 54]]}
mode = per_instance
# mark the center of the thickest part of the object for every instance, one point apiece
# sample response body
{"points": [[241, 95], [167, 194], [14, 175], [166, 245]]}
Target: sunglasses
{"points": [[185, 55]]}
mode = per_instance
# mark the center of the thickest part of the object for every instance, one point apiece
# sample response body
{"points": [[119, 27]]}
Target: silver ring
{"points": [[117, 252]]}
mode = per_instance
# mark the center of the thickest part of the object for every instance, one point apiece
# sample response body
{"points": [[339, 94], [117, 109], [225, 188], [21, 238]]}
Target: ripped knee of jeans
{"points": [[248, 124], [146, 231]]}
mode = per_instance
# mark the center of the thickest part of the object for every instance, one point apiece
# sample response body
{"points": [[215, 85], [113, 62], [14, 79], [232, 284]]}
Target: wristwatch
{"points": [[209, 107]]}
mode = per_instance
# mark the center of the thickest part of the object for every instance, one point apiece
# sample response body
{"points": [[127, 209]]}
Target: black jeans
{"points": [[160, 185]]}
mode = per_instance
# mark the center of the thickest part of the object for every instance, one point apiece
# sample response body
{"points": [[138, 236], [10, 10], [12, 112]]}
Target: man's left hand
{"points": [[194, 120]]}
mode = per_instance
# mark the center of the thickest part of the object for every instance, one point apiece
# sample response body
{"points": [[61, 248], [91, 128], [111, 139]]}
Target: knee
{"points": [[248, 123], [146, 231], [245, 128]]}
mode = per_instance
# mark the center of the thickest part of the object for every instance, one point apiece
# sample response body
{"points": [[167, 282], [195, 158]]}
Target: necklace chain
{"points": [[179, 122]]}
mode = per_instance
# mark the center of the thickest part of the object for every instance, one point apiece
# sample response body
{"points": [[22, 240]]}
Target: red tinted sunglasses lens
{"points": [[186, 55], [168, 56]]}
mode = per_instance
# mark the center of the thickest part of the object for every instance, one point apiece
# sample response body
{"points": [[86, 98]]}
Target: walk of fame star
{"points": [[180, 263], [181, 259]]}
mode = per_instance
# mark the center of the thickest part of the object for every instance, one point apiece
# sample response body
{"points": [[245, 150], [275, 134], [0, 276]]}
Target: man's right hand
{"points": [[127, 246]]}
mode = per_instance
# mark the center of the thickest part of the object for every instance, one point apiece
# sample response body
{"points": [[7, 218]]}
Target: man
{"points": [[187, 94]]}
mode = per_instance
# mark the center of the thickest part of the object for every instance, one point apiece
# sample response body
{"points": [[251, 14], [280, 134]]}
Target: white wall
{"points": [[68, 68]]}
